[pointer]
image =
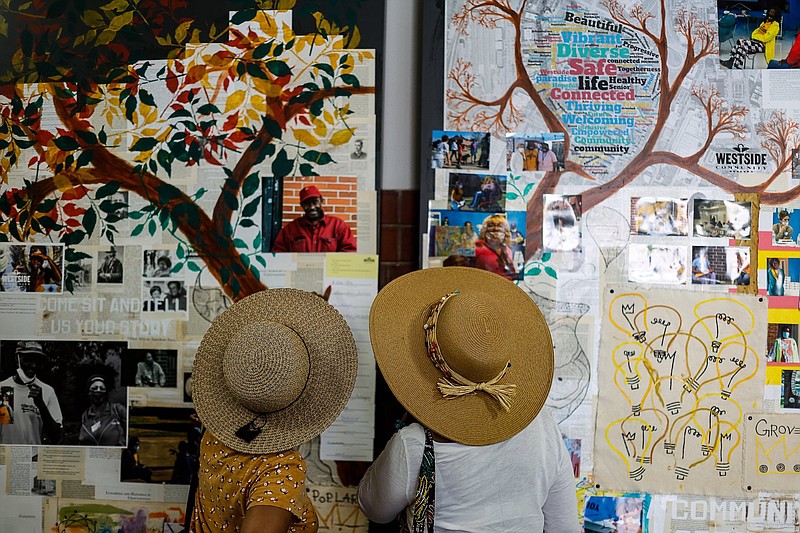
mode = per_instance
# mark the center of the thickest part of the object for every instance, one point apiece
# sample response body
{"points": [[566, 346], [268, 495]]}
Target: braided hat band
{"points": [[452, 384]]}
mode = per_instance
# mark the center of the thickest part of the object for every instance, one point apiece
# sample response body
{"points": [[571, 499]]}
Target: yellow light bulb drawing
{"points": [[623, 310], [623, 443], [631, 376], [689, 450], [729, 439]]}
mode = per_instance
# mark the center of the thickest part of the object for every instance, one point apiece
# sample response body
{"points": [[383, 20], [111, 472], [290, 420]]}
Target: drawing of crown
{"points": [[778, 454]]}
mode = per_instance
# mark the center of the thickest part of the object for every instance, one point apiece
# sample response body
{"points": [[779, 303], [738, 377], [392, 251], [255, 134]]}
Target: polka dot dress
{"points": [[231, 482]]}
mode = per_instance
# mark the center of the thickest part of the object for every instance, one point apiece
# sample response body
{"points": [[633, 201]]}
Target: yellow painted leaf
{"points": [[328, 116], [234, 100], [149, 132], [267, 88], [320, 128], [341, 137], [93, 18], [355, 38], [120, 21], [252, 115], [62, 183], [305, 137], [106, 37], [182, 30], [258, 103]]}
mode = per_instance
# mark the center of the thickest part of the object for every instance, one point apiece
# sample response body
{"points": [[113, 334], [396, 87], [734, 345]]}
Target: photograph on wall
{"points": [[790, 388], [561, 228], [318, 215], [493, 242], [6, 404], [163, 446], [76, 381], [722, 218], [150, 368], [720, 265], [477, 192], [782, 343], [650, 263], [574, 448], [754, 35], [782, 276], [110, 265], [660, 216], [161, 296], [613, 514], [796, 164], [460, 149], [543, 152], [158, 263], [784, 222], [31, 267]]}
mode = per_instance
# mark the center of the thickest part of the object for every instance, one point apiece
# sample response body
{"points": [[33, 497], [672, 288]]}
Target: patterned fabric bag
{"points": [[423, 507]]}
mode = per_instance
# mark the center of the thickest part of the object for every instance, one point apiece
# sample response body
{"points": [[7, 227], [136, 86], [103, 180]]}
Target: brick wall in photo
{"points": [[339, 193]]}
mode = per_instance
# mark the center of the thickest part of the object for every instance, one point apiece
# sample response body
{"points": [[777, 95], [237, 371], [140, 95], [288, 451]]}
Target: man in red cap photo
{"points": [[314, 231]]}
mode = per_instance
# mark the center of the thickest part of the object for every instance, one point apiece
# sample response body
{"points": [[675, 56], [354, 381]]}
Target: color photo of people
{"points": [[494, 242], [62, 393], [561, 226], [660, 216], [722, 218], [543, 152], [720, 265], [163, 446], [460, 149], [31, 268], [785, 226], [650, 263], [477, 192]]}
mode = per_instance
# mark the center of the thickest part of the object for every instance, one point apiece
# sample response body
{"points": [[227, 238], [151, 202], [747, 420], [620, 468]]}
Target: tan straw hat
{"points": [[490, 364], [274, 370]]}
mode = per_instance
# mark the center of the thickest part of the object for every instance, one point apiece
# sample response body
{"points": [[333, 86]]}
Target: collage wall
{"points": [[634, 167], [144, 190]]}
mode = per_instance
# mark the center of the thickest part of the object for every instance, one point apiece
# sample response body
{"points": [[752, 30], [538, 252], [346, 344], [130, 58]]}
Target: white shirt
{"points": [[522, 485], [27, 425]]}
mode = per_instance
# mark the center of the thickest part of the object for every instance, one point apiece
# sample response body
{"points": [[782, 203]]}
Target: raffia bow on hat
{"points": [[453, 384], [273, 371], [481, 370]]}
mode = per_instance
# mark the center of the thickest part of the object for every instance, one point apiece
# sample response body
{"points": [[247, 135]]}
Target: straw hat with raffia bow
{"points": [[273, 371], [465, 351]]}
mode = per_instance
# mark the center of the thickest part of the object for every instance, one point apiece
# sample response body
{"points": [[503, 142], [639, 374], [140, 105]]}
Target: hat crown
{"points": [[266, 366], [471, 337]]}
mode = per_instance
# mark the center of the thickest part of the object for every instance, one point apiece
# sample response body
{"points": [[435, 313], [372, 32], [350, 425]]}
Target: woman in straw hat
{"points": [[484, 456], [272, 372]]}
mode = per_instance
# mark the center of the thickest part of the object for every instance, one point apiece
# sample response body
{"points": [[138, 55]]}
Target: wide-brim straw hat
{"points": [[490, 324], [273, 371]]}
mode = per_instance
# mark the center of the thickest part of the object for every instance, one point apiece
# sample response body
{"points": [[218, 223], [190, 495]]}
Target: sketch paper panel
{"points": [[772, 452], [676, 372]]}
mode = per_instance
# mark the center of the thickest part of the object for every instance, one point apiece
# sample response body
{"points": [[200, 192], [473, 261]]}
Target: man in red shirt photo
{"points": [[314, 231]]}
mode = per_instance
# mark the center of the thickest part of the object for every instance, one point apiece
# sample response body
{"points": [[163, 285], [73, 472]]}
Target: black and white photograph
{"points": [[358, 150], [158, 263], [151, 368], [65, 393], [187, 387], [163, 296], [109, 265]]}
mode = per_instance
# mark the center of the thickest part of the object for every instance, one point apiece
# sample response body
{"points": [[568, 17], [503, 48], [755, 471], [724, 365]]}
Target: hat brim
{"points": [[332, 374], [398, 341]]}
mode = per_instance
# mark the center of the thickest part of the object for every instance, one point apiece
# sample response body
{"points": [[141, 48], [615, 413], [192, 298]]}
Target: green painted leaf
{"points": [[546, 257], [320, 158], [349, 79], [244, 16], [327, 69], [106, 190], [551, 272], [193, 266], [76, 237], [137, 230], [66, 143], [511, 195], [86, 136], [144, 144], [534, 271], [281, 165], [239, 243], [89, 220], [230, 200], [527, 189], [151, 227], [273, 128], [251, 208], [251, 184]]}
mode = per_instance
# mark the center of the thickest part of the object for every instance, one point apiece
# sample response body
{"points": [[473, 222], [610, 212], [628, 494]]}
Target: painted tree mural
{"points": [[235, 103], [684, 40]]}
